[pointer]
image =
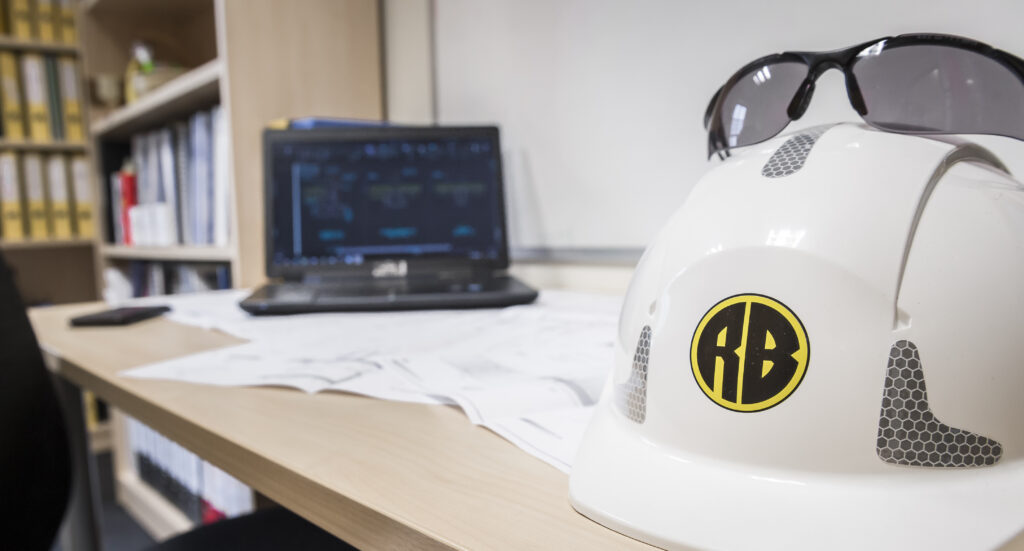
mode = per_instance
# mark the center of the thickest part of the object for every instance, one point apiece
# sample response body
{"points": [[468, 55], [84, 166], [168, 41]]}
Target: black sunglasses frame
{"points": [[844, 60]]}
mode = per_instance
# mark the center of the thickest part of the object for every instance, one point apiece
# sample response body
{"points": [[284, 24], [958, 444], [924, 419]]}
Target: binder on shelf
{"points": [[171, 190], [12, 213], [45, 20], [65, 24], [60, 203], [139, 162], [223, 495], [221, 176], [200, 158], [183, 175], [34, 76], [129, 199], [92, 411], [150, 223], [116, 287], [152, 220], [168, 468], [5, 27], [155, 280], [71, 103], [138, 276], [85, 224], [10, 98], [35, 194], [149, 179], [22, 21], [195, 278], [53, 99], [116, 216]]}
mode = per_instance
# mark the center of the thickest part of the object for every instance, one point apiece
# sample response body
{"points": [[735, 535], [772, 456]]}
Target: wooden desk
{"points": [[381, 475]]}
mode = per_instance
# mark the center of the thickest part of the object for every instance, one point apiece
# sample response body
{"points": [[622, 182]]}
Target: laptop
{"points": [[385, 218]]}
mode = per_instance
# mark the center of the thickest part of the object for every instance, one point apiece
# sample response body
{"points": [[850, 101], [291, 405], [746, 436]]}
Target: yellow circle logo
{"points": [[749, 353]]}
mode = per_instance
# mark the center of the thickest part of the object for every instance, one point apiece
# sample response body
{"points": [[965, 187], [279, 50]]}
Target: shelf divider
{"points": [[34, 244], [175, 253], [20, 44], [50, 147]]}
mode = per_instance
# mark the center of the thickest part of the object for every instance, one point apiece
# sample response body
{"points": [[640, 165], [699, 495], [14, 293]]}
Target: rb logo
{"points": [[749, 353]]}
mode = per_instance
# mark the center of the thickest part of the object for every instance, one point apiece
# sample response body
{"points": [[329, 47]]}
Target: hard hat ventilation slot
{"points": [[631, 396], [908, 431], [790, 157]]}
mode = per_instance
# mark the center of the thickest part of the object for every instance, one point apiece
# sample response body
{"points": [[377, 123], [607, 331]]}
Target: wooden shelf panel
{"points": [[196, 89], [20, 44], [155, 514], [53, 147], [44, 244], [100, 438], [179, 253], [145, 8]]}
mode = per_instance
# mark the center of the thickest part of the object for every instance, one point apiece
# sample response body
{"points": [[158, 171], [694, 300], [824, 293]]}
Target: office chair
{"points": [[35, 460]]}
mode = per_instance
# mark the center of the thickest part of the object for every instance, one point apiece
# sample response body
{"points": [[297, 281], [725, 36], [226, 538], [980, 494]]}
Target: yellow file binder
{"points": [[45, 20], [74, 129], [35, 193], [66, 22], [35, 98], [60, 202], [12, 216], [5, 27], [10, 98], [84, 210], [21, 18]]}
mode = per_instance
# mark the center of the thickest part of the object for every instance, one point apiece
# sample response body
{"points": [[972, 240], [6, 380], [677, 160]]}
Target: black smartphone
{"points": [[119, 316]]}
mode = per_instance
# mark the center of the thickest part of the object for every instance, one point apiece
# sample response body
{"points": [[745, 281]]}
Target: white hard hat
{"points": [[822, 350]]}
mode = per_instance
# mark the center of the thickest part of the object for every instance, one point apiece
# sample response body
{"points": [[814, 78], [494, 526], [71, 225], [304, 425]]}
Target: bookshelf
{"points": [[260, 60], [50, 270]]}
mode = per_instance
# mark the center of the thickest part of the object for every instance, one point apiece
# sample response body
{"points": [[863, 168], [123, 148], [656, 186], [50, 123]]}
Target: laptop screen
{"points": [[345, 197]]}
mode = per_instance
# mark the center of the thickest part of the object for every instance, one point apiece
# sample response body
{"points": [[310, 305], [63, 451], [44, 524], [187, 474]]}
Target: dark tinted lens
{"points": [[931, 88], [755, 107]]}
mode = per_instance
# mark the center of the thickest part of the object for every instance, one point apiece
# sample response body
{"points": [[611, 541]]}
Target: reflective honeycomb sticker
{"points": [[631, 396], [790, 158], [908, 431]]}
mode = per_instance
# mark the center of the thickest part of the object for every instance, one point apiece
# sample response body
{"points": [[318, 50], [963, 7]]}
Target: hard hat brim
{"points": [[671, 500]]}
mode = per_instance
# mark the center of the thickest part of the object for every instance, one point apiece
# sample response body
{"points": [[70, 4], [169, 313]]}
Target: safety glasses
{"points": [[913, 83]]}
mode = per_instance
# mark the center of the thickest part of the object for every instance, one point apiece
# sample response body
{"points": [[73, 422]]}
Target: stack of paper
{"points": [[530, 373]]}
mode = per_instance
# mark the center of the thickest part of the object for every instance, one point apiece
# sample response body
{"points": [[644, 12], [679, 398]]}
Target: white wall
{"points": [[601, 102], [409, 61]]}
